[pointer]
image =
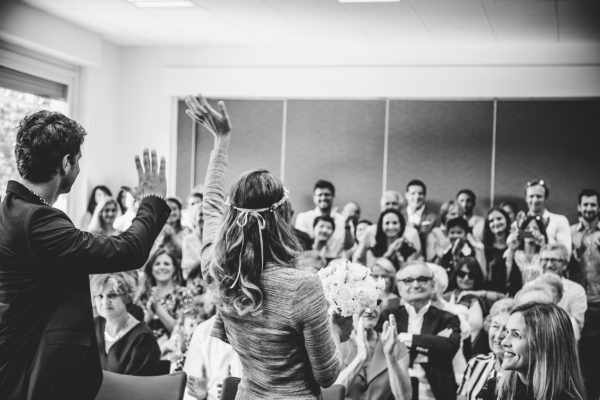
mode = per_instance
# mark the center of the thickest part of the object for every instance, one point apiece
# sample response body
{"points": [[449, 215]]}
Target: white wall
{"points": [[126, 94]]}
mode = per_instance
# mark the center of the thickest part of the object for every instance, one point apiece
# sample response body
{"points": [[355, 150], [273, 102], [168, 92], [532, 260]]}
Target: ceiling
{"points": [[327, 22]]}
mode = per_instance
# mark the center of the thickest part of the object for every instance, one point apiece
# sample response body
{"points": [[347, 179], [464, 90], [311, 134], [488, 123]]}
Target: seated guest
{"points": [[467, 277], [466, 199], [98, 194], [487, 366], [194, 200], [191, 241], [208, 360], [389, 240], [540, 357], [351, 212], [125, 345], [495, 235], [323, 229], [323, 195], [362, 227], [103, 218], [390, 200], [462, 244], [161, 295], [534, 293], [432, 335], [554, 285], [554, 259], [437, 240], [524, 245], [174, 220], [320, 253], [384, 269], [127, 206], [375, 364]]}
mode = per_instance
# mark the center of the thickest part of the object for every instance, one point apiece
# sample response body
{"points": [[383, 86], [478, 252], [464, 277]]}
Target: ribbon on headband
{"points": [[242, 220]]}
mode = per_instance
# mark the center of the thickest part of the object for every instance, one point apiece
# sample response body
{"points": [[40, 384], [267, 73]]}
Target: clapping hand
{"points": [[389, 336], [151, 178], [197, 386], [200, 111], [362, 343]]}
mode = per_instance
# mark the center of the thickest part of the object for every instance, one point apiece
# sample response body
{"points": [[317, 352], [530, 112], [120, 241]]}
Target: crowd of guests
{"points": [[459, 289]]}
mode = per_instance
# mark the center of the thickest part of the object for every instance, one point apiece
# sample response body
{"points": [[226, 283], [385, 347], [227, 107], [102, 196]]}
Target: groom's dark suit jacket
{"points": [[47, 344], [439, 350]]}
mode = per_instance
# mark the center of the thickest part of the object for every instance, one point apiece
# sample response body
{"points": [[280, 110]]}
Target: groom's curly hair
{"points": [[43, 139]]}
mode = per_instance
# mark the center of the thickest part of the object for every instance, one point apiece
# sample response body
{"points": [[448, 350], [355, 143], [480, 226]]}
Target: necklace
{"points": [[39, 197]]}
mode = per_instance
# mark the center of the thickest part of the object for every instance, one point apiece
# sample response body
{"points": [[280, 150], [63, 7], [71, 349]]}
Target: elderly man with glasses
{"points": [[557, 226], [432, 335], [554, 259]]}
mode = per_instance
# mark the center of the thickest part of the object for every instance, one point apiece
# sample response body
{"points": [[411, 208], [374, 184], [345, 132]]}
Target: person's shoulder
{"points": [[438, 313], [572, 285]]}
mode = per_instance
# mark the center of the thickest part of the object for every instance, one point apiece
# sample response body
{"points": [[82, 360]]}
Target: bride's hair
{"points": [[256, 231]]}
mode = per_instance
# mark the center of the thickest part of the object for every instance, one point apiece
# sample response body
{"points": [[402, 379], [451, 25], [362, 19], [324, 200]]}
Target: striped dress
{"points": [[479, 370], [286, 351]]}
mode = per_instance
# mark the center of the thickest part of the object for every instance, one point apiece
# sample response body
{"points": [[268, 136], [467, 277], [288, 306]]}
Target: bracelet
{"points": [[142, 197]]}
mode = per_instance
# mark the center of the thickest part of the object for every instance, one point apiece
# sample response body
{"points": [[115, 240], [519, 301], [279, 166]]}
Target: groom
{"points": [[48, 348]]}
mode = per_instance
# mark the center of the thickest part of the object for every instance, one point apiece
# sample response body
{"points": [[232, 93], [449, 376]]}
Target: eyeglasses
{"points": [[552, 260], [462, 274], [419, 279], [536, 182]]}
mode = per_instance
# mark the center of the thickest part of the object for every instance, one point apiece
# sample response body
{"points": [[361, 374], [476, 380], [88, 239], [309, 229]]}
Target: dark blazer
{"points": [[48, 348], [439, 350]]}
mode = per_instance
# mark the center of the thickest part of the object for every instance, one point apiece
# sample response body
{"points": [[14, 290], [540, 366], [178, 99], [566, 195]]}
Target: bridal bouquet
{"points": [[349, 287]]}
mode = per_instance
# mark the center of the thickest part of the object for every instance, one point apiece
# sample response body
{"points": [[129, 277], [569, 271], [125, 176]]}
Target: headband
{"points": [[242, 220]]}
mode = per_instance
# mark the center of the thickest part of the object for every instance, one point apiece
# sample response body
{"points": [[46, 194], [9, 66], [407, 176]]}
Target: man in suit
{"points": [[432, 335], [47, 344], [416, 213]]}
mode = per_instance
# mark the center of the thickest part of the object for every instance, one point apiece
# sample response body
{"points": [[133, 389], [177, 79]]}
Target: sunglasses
{"points": [[462, 274], [419, 279], [536, 182]]}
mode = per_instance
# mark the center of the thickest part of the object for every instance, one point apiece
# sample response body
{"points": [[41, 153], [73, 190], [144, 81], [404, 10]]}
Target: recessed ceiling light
{"points": [[368, 1], [161, 3]]}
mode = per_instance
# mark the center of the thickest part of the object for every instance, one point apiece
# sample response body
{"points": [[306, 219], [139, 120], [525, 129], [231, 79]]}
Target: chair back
{"points": [[129, 387], [230, 386]]}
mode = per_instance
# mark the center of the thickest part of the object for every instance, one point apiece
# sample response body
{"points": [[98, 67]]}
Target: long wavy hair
{"points": [[488, 236], [553, 371], [381, 239], [238, 248]]}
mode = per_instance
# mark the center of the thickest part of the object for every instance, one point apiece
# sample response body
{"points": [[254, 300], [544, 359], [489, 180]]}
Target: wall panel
{"points": [[446, 144], [255, 141], [338, 140], [554, 140]]}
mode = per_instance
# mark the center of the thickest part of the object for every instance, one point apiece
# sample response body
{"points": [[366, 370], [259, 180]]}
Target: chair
{"points": [[129, 387], [335, 392], [164, 367], [230, 386]]}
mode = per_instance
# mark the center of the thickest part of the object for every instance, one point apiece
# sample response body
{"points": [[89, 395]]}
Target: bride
{"points": [[273, 314]]}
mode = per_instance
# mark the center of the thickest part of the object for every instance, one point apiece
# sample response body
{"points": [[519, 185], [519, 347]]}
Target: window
{"points": [[28, 83]]}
